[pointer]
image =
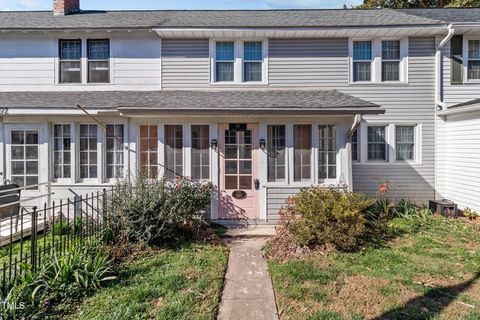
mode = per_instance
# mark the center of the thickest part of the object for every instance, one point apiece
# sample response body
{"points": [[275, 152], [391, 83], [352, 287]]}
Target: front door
{"points": [[238, 147]]}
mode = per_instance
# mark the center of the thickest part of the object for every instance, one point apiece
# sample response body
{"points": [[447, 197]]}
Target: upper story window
{"points": [[362, 61], [238, 62], [391, 60], [252, 61], [98, 61], [70, 61], [379, 60], [473, 60], [224, 61]]}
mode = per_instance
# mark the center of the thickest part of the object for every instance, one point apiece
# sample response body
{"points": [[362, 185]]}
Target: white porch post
{"points": [[262, 173], [214, 172]]}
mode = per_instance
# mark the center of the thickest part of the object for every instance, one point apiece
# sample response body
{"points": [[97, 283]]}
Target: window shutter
{"points": [[457, 59]]}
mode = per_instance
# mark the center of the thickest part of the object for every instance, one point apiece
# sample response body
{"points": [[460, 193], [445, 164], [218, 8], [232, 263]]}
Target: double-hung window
{"points": [[70, 61], [173, 151], [302, 146], [391, 60], [362, 61], [277, 151], [149, 151], [114, 150], [61, 151], [327, 152], [354, 143], [474, 60], [377, 144], [88, 151], [200, 152], [405, 142], [98, 61], [252, 61], [224, 61]]}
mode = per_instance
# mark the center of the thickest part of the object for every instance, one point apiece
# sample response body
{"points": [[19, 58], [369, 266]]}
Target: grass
{"points": [[181, 283], [430, 270]]}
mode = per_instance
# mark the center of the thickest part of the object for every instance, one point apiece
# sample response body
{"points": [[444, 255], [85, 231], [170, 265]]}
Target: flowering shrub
{"points": [[156, 211]]}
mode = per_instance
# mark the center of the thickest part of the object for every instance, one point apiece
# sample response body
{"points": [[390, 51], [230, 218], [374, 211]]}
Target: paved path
{"points": [[248, 292]]}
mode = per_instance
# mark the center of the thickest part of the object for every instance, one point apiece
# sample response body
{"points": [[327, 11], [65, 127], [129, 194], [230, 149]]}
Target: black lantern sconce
{"points": [[263, 144], [214, 144]]}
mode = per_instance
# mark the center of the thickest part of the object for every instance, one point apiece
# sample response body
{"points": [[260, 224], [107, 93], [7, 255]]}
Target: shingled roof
{"points": [[213, 19], [296, 101]]}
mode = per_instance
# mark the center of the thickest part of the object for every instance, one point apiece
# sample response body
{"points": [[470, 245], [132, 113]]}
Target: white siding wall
{"points": [[28, 62], [458, 167]]}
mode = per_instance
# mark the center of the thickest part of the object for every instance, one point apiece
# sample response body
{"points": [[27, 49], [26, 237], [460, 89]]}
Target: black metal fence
{"points": [[30, 234]]}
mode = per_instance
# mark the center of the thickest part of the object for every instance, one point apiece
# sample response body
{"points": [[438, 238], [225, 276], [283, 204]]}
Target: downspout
{"points": [[356, 122], [439, 104]]}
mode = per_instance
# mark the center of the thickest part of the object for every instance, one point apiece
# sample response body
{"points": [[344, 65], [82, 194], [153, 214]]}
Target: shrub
{"points": [[328, 216], [152, 212], [409, 210]]}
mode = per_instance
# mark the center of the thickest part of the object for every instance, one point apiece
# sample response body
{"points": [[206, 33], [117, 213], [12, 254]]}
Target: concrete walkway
{"points": [[248, 292]]}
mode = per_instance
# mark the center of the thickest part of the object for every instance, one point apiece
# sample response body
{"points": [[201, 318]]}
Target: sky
{"points": [[180, 4]]}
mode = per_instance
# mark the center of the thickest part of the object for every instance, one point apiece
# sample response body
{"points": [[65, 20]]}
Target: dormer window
{"points": [[238, 62]]}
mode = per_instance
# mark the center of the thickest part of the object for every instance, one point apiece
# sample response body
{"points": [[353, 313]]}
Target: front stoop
{"points": [[248, 293]]}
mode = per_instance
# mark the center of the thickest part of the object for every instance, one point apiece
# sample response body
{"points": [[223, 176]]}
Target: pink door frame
{"points": [[229, 206]]}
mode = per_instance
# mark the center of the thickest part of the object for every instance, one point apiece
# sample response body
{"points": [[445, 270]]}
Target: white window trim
{"points": [[390, 138], [100, 151], [125, 152], [466, 39], [287, 154], [238, 62], [376, 69], [327, 181], [188, 143], [72, 152], [84, 62]]}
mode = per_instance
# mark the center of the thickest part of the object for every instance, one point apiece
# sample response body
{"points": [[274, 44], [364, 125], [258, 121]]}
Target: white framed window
{"points": [[200, 152], [149, 150], [24, 159], [405, 142], [277, 153], [473, 59], [362, 61], [70, 54], [62, 141], [173, 151], [378, 60], [238, 62], [224, 61], [302, 152], [327, 152], [88, 151], [391, 60], [114, 151], [377, 146], [98, 53]]}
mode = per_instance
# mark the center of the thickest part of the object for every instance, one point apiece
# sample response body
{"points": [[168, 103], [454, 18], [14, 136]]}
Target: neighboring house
{"points": [[261, 103]]}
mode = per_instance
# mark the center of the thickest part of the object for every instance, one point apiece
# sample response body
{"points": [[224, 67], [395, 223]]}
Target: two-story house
{"points": [[261, 103]]}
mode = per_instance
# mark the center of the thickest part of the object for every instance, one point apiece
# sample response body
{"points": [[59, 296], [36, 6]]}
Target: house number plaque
{"points": [[239, 194]]}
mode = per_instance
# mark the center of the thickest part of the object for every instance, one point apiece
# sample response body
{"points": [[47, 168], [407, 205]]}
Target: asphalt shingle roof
{"points": [[449, 15], [266, 100], [212, 19]]}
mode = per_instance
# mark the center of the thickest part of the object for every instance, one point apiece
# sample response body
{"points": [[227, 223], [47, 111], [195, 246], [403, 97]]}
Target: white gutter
{"points": [[438, 68], [459, 110]]}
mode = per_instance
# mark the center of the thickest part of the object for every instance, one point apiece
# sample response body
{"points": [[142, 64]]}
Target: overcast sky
{"points": [[179, 4]]}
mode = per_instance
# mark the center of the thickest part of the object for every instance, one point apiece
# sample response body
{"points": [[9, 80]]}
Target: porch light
{"points": [[214, 144], [262, 144]]}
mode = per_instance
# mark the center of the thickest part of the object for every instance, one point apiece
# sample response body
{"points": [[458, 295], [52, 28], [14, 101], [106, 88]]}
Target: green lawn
{"points": [[430, 270], [182, 283]]}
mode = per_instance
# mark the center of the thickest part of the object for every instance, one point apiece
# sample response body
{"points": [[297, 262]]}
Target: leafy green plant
{"points": [[409, 210], [152, 212], [329, 216]]}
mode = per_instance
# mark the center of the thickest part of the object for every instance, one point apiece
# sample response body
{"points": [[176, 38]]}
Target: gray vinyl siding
{"points": [[277, 199], [185, 63], [456, 93], [323, 64]]}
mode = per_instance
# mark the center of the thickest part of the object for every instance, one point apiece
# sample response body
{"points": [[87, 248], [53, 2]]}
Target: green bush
{"points": [[329, 216], [62, 276], [153, 212]]}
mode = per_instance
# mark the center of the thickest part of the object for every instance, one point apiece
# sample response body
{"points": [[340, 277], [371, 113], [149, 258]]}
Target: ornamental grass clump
{"points": [[150, 212], [328, 217]]}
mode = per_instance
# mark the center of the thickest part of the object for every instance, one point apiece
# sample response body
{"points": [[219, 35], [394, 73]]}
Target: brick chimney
{"points": [[63, 7]]}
